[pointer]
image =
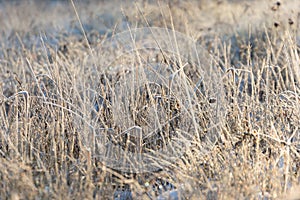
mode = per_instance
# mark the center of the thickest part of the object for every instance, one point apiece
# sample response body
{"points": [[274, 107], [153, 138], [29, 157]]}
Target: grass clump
{"points": [[214, 117]]}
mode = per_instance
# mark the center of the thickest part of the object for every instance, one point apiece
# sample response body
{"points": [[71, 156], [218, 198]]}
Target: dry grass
{"points": [[233, 135]]}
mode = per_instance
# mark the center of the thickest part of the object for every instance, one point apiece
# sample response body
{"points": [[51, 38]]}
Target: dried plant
{"points": [[146, 113]]}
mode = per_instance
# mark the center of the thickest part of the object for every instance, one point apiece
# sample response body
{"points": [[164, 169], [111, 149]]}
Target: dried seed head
{"points": [[276, 6]]}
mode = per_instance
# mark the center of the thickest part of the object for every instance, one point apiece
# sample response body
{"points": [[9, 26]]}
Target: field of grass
{"points": [[150, 100]]}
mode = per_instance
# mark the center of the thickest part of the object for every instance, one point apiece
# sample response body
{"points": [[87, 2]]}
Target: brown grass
{"points": [[64, 94]]}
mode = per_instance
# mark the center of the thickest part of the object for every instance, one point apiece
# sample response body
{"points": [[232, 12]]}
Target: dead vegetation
{"points": [[223, 126]]}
